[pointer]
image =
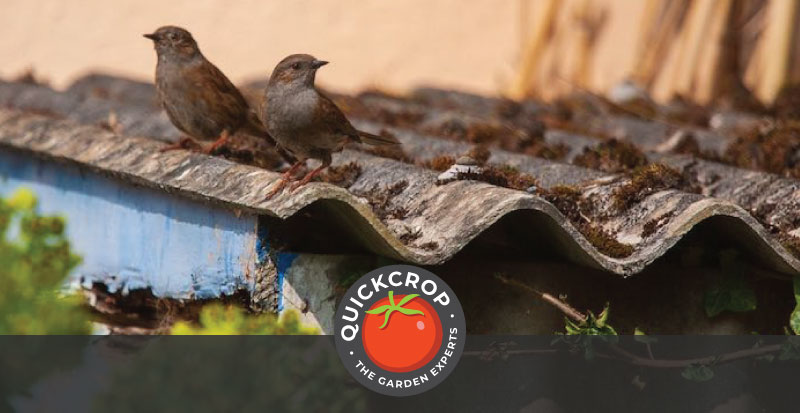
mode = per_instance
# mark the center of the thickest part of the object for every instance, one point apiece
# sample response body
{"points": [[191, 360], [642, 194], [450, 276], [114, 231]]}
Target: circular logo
{"points": [[400, 330]]}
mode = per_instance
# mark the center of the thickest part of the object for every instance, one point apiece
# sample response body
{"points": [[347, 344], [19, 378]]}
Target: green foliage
{"points": [[790, 349], [232, 374], [580, 336], [33, 267], [35, 260], [732, 293], [216, 319], [698, 373], [236, 372], [794, 319], [641, 337], [593, 325]]}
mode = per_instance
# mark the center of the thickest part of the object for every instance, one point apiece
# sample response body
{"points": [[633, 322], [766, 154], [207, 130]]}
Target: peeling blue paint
{"points": [[283, 260], [262, 243], [132, 237]]}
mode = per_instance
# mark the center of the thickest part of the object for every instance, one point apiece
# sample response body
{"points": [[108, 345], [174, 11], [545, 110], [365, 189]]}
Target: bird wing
{"points": [[331, 118], [214, 91]]}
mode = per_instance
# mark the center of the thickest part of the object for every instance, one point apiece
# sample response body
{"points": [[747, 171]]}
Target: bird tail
{"points": [[377, 140]]}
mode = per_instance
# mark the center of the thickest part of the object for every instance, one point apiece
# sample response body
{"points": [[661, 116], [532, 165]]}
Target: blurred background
{"points": [[699, 49], [619, 149]]}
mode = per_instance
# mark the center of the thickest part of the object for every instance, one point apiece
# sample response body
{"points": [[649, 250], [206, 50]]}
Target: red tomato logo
{"points": [[401, 336]]}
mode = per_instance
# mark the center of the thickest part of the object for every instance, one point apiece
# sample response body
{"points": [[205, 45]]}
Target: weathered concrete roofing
{"points": [[437, 221]]}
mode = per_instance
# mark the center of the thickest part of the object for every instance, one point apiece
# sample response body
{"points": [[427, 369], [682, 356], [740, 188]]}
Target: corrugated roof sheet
{"points": [[395, 207]]}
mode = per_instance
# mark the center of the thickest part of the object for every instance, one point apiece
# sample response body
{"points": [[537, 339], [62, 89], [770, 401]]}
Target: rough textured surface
{"points": [[427, 223], [130, 237]]}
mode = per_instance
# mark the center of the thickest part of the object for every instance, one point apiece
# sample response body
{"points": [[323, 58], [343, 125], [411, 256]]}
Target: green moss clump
{"points": [[569, 201], [440, 163], [774, 151], [648, 180], [612, 156], [344, 176], [605, 242], [565, 198], [792, 244], [502, 175]]}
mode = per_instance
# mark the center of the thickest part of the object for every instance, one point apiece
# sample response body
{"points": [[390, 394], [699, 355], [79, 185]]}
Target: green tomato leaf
{"points": [[391, 307], [407, 299], [408, 311], [386, 318], [379, 310]]}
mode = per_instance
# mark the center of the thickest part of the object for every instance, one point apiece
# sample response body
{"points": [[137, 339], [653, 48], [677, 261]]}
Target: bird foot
{"points": [[306, 179], [222, 141], [184, 143], [278, 187]]}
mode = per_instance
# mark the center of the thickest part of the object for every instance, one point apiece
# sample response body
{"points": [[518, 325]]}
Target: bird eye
{"points": [[296, 66]]}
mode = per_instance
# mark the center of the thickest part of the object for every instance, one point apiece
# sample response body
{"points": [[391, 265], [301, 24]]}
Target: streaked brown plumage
{"points": [[305, 122], [198, 98]]}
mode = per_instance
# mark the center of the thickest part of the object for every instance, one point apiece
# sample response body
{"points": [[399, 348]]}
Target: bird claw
{"points": [[219, 143], [278, 187], [183, 143]]}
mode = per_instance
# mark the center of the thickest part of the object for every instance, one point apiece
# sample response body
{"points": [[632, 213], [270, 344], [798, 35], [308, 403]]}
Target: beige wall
{"points": [[390, 44]]}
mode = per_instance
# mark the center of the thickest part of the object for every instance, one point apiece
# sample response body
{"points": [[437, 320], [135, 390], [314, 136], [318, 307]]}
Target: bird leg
{"points": [[223, 139], [184, 143], [325, 163], [285, 178]]}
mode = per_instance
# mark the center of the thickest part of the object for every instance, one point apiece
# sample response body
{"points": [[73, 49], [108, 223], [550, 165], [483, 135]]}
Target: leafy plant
{"points": [[790, 349], [641, 337], [698, 372], [35, 260], [232, 374], [592, 325], [216, 319], [240, 372], [732, 292], [579, 334], [794, 318]]}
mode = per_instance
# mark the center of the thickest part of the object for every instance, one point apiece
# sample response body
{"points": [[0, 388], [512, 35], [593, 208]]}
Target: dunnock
{"points": [[305, 122], [198, 98]]}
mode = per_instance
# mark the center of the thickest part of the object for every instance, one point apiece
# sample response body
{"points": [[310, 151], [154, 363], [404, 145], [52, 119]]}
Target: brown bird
{"points": [[305, 122], [198, 98]]}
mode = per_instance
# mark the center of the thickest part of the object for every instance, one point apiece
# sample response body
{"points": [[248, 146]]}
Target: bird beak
{"points": [[318, 63], [151, 36]]}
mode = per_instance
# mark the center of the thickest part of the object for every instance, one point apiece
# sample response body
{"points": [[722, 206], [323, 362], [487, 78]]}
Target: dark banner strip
{"points": [[304, 373]]}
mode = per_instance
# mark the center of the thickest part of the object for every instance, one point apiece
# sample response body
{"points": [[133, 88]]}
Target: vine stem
{"points": [[626, 355], [565, 308], [682, 363]]}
